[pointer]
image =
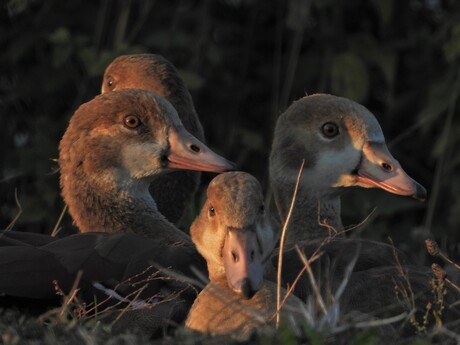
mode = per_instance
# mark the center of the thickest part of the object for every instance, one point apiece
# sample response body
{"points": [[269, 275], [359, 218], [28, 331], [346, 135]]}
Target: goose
{"points": [[234, 233], [174, 191], [114, 147], [343, 146]]}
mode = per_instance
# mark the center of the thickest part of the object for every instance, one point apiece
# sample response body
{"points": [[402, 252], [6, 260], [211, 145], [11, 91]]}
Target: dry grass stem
{"points": [[450, 334], [56, 228], [433, 249], [100, 310], [452, 284], [346, 277], [72, 294], [332, 232], [202, 281], [133, 298], [223, 296], [281, 248], [407, 290], [15, 219], [381, 322], [441, 162], [434, 308], [312, 279], [370, 323], [56, 315], [128, 307], [366, 219], [299, 275]]}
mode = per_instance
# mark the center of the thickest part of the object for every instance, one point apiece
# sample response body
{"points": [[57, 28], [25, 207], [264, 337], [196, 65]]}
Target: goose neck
{"points": [[313, 216]]}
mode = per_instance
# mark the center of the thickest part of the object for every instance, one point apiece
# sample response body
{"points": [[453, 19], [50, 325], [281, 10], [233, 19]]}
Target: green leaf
{"points": [[251, 140], [192, 79], [349, 76], [60, 36], [367, 337], [313, 335], [436, 105], [372, 52], [452, 46], [385, 10], [287, 335]]}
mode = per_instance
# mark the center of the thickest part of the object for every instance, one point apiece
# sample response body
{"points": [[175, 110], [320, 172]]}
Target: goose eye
{"points": [[330, 130], [212, 212], [132, 121]]}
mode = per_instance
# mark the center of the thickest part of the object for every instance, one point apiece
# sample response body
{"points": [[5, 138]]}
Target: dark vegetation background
{"points": [[244, 61]]}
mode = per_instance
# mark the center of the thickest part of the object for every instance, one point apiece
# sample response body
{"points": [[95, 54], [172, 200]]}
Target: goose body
{"points": [[234, 234], [114, 147], [174, 192]]}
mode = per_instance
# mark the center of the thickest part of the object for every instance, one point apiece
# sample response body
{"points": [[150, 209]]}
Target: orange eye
{"points": [[212, 211], [132, 121]]}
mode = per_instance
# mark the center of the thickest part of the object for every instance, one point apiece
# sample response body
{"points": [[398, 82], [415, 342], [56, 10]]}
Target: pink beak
{"points": [[187, 152], [380, 169], [242, 261]]}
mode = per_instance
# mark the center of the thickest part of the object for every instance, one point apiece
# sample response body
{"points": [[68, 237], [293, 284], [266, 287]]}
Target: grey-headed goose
{"points": [[175, 191], [343, 146], [234, 234]]}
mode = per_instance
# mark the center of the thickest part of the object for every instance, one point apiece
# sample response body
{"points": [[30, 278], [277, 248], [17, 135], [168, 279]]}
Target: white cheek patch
{"points": [[333, 168], [139, 160]]}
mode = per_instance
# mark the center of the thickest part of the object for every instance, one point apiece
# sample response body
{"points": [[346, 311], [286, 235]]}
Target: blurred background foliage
{"points": [[244, 61]]}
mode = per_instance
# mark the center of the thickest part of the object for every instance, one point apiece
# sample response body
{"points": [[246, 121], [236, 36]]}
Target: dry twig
{"points": [[281, 248]]}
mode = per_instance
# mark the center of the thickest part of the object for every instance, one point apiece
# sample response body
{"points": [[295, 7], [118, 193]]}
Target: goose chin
{"points": [[404, 185]]}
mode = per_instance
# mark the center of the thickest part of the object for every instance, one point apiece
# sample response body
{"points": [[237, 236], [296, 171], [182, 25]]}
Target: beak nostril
{"points": [[195, 148], [387, 167], [235, 257]]}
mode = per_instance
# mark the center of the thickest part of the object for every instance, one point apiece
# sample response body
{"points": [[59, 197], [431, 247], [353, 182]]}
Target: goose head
{"points": [[174, 192], [342, 145], [116, 145], [146, 71], [233, 232], [154, 73]]}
